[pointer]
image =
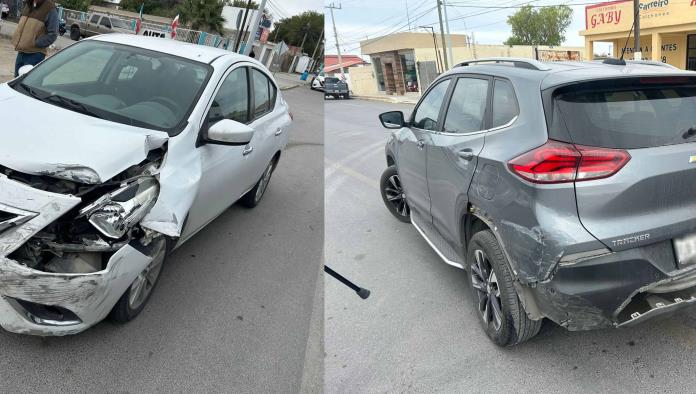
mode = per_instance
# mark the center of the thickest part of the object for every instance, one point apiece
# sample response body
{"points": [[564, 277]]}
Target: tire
{"points": [[127, 307], [393, 195], [253, 197], [513, 326], [75, 33]]}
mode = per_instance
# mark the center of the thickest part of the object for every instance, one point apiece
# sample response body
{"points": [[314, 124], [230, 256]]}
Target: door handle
{"points": [[421, 144], [247, 150], [466, 154], [279, 131]]}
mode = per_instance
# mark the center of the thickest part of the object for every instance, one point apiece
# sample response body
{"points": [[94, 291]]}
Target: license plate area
{"points": [[685, 250]]}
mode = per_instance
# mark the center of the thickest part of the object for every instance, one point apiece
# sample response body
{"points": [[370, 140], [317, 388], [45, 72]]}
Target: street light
{"points": [[437, 51]]}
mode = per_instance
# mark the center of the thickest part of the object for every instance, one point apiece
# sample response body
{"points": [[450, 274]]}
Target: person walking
{"points": [[37, 30]]}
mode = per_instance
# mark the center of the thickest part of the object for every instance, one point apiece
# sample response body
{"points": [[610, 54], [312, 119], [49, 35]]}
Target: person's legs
{"points": [[18, 63]]}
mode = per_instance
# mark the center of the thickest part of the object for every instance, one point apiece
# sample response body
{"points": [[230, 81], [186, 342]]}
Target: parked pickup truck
{"points": [[336, 88], [96, 23]]}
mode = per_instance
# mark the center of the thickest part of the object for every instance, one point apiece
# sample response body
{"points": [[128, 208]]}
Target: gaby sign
{"points": [[617, 16]]}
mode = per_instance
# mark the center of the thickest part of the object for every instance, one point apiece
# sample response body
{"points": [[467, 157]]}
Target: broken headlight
{"points": [[115, 213]]}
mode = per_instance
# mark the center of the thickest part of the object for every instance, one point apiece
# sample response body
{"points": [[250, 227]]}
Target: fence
{"points": [[156, 29]]}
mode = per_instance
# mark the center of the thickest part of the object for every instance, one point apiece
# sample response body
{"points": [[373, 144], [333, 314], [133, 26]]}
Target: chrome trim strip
{"points": [[442, 256]]}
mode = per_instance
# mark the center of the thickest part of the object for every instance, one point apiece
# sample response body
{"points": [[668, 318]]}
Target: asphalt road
{"points": [[232, 310], [418, 331]]}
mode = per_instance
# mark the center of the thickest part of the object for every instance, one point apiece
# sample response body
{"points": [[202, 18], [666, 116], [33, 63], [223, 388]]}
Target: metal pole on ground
{"points": [[253, 28], [338, 47], [442, 32]]}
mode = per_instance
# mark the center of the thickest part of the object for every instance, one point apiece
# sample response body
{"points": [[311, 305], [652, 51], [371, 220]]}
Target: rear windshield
{"points": [[331, 80], [627, 113]]}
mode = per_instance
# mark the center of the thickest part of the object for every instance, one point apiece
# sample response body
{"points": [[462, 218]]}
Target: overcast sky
{"points": [[283, 8], [359, 19]]}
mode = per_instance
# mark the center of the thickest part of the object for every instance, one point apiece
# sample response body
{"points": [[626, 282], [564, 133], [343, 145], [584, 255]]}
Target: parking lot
{"points": [[232, 309], [418, 331]]}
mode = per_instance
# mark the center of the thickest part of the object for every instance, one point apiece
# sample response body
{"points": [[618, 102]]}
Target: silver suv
{"points": [[566, 190]]}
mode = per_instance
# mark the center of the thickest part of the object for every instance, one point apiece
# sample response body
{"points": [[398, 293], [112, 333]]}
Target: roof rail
{"points": [[652, 63], [529, 64]]}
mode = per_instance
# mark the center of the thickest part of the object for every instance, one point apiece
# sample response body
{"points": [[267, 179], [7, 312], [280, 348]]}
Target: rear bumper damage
{"points": [[616, 289], [82, 300]]}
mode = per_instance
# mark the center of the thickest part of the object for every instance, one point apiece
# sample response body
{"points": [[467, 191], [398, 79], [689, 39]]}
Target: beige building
{"points": [[408, 62], [667, 30]]}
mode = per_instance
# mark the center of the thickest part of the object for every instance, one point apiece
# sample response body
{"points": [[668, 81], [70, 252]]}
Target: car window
{"points": [[161, 93], [85, 68], [105, 22], [262, 93], [505, 106], [331, 80], [467, 109], [95, 19], [120, 24], [429, 109], [232, 100]]}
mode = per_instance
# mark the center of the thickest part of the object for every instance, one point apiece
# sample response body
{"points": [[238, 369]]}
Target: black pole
{"points": [[636, 28], [240, 31], [363, 293]]}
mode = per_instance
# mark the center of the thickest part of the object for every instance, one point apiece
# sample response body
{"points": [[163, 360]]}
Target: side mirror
{"points": [[229, 132], [392, 119], [24, 69]]}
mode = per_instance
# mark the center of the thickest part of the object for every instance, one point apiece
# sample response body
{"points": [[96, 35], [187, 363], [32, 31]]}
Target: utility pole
{"points": [[240, 29], [253, 28], [321, 38], [437, 51], [636, 29], [448, 37], [442, 31], [408, 18], [306, 30], [338, 47]]}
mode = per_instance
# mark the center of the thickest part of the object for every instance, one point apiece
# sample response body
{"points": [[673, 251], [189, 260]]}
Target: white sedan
{"points": [[113, 152]]}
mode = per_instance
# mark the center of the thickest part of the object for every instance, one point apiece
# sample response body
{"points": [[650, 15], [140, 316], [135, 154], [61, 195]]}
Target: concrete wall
{"points": [[461, 54], [362, 81], [407, 40]]}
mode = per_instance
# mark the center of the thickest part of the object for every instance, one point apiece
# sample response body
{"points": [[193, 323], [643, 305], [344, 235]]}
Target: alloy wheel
{"points": [[263, 183], [395, 195], [484, 280], [145, 282]]}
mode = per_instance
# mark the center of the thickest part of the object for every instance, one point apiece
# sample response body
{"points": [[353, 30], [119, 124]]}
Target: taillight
{"points": [[558, 162]]}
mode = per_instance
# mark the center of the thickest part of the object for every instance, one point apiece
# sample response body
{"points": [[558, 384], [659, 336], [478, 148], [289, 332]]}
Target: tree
{"points": [[243, 4], [541, 26], [166, 8], [204, 15], [78, 5], [291, 30]]}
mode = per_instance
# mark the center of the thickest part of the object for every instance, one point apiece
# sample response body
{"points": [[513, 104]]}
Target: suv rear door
{"points": [[653, 197], [411, 147], [453, 153]]}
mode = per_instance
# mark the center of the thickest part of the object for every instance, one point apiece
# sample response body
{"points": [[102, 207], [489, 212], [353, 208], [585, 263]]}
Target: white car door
{"points": [[267, 122], [227, 171]]}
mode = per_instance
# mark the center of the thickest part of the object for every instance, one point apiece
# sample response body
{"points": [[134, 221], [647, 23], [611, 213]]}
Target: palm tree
{"points": [[204, 15]]}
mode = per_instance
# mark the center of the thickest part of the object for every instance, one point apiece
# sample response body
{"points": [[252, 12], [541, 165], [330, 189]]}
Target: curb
{"points": [[384, 99]]}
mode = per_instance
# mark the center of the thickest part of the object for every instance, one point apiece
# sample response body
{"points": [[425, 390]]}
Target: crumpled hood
{"points": [[43, 139]]}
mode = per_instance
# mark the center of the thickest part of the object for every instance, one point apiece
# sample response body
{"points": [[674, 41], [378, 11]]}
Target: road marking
{"points": [[373, 183], [370, 149]]}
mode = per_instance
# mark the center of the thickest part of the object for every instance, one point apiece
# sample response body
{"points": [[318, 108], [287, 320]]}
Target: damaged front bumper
{"points": [[43, 301], [616, 289], [87, 298]]}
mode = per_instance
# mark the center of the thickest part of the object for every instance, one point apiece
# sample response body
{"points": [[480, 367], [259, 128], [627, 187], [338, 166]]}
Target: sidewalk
{"points": [[408, 98], [288, 81]]}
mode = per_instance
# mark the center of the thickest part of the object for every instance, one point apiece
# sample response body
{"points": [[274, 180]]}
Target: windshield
{"points": [[629, 113], [119, 83], [119, 23]]}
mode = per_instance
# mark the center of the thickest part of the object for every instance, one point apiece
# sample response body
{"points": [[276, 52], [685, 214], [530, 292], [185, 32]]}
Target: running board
{"points": [[449, 256]]}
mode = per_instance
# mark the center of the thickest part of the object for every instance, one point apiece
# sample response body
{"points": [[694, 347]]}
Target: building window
{"points": [[691, 52], [408, 65], [379, 74]]}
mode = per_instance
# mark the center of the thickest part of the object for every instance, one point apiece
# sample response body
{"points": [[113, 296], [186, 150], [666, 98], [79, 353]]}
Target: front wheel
{"points": [[134, 299], [393, 195], [500, 311], [253, 197], [75, 33]]}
